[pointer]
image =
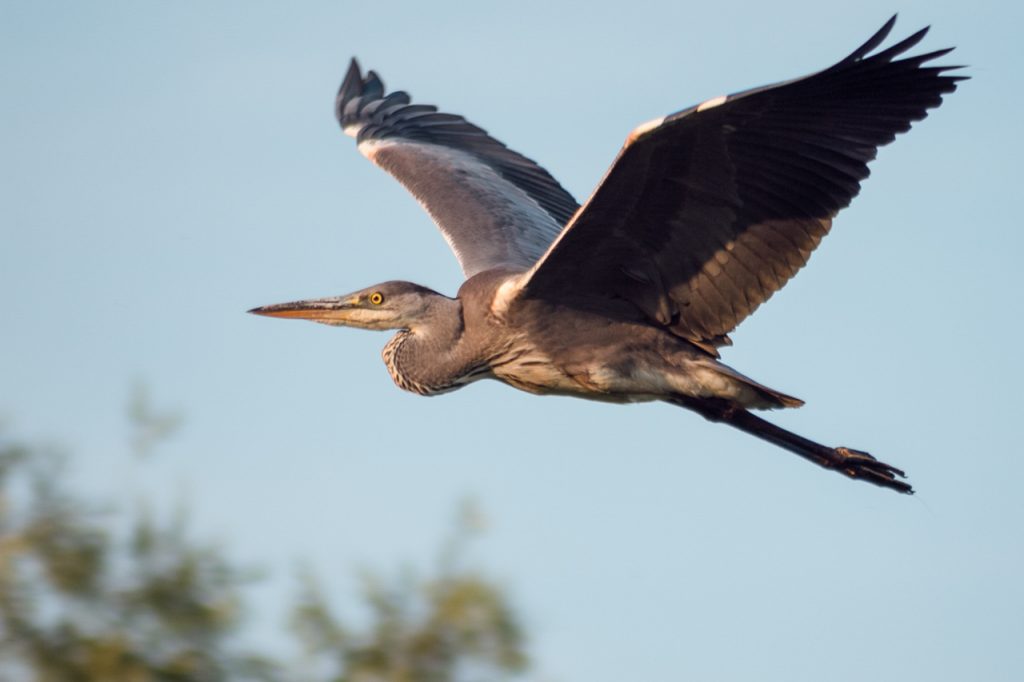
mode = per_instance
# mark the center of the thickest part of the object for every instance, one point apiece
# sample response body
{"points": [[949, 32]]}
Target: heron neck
{"points": [[430, 357]]}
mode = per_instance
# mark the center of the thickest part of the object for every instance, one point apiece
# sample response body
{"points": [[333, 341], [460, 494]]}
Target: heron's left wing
{"points": [[706, 212], [494, 206]]}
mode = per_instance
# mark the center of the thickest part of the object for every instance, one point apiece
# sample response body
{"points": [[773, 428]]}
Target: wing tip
{"points": [[355, 93], [351, 87], [871, 44], [874, 41]]}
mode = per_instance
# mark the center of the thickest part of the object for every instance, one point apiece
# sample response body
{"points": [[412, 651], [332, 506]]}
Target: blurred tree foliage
{"points": [[78, 603], [148, 425], [455, 625], [82, 602]]}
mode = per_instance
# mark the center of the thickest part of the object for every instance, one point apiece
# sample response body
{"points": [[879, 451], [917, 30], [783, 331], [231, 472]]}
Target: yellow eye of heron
{"points": [[376, 298]]}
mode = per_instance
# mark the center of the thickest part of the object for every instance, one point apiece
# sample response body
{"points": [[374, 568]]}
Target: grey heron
{"points": [[703, 215]]}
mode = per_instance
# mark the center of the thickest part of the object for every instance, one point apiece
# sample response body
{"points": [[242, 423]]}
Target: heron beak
{"points": [[335, 310]]}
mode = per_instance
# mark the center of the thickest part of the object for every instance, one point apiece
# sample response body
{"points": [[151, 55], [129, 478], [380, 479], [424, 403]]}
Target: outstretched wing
{"points": [[707, 212], [494, 206]]}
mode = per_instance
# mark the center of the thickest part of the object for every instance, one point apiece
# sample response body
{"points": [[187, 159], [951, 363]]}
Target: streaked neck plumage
{"points": [[430, 356]]}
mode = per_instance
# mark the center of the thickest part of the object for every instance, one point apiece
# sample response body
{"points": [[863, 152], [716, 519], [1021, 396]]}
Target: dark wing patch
{"points": [[703, 216], [494, 205]]}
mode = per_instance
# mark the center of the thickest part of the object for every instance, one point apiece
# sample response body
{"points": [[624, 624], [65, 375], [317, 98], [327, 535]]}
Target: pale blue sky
{"points": [[166, 166]]}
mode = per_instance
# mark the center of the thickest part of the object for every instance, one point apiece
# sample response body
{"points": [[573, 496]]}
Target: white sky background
{"points": [[166, 166]]}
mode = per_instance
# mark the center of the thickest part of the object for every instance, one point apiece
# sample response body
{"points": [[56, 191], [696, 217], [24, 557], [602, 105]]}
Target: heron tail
{"points": [[764, 398], [777, 398]]}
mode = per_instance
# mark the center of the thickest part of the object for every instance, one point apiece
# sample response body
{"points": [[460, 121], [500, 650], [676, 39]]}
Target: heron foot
{"points": [[860, 465]]}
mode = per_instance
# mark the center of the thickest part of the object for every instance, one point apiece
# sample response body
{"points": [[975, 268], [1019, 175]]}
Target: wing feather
{"points": [[494, 206], [705, 214]]}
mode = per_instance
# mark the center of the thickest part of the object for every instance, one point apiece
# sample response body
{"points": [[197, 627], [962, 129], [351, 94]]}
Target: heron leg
{"points": [[847, 461]]}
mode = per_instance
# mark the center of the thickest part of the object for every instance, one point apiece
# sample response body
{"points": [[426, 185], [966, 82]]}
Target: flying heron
{"points": [[704, 214]]}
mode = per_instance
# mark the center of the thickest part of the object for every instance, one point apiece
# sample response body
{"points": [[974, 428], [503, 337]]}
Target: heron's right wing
{"points": [[494, 206]]}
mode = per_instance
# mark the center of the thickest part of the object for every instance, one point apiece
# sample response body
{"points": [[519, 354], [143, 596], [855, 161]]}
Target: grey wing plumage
{"points": [[709, 211], [494, 206]]}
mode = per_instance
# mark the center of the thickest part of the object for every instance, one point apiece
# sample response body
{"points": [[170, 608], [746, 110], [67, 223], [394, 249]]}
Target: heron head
{"points": [[389, 305]]}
